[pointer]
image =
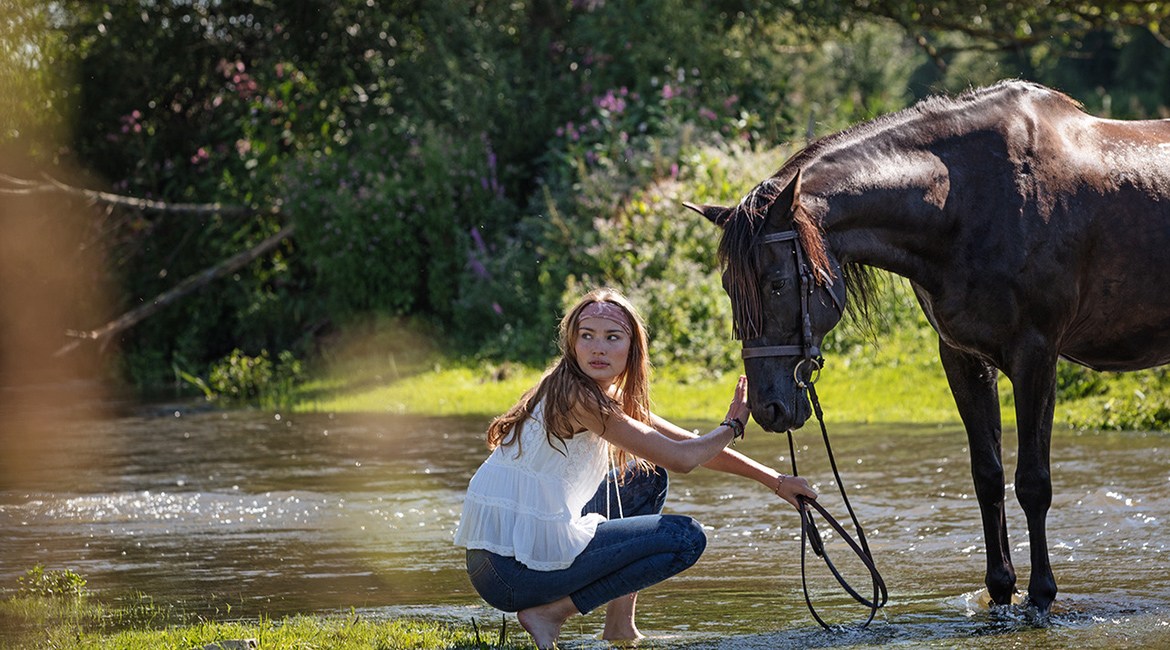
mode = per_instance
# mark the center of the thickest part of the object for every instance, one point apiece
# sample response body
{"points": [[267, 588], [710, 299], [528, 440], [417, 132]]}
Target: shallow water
{"points": [[244, 514]]}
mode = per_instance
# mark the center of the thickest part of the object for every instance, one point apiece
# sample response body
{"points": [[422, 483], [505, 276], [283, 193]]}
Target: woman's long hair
{"points": [[564, 384]]}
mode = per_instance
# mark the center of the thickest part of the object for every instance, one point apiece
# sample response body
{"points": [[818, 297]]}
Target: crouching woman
{"points": [[551, 528]]}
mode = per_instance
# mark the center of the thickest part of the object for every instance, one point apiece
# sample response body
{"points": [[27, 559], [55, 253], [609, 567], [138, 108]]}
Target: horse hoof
{"points": [[1036, 614]]}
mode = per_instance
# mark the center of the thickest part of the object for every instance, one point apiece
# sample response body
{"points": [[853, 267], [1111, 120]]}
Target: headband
{"points": [[609, 311]]}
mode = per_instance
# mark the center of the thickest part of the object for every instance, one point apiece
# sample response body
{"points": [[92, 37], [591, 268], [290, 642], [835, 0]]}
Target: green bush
{"points": [[38, 582], [241, 377], [392, 223]]}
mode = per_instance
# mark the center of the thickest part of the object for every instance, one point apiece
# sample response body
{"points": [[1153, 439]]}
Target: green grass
{"points": [[898, 380], [79, 624]]}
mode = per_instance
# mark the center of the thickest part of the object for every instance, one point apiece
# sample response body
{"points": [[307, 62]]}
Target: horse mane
{"points": [[739, 254]]}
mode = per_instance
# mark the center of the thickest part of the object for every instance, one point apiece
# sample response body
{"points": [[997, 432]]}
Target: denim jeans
{"points": [[626, 554]]}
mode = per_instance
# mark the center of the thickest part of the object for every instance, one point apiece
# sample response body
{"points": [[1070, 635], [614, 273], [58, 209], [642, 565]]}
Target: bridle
{"points": [[811, 355]]}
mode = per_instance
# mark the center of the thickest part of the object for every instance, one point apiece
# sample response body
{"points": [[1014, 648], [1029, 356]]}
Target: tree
{"points": [[998, 26]]}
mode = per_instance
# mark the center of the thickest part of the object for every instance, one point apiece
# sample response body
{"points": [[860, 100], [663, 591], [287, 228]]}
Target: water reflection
{"points": [[277, 514]]}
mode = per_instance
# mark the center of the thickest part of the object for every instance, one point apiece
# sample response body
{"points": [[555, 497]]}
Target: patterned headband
{"points": [[609, 311]]}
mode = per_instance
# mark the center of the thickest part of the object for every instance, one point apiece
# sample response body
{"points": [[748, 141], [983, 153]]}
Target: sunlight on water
{"points": [[284, 514]]}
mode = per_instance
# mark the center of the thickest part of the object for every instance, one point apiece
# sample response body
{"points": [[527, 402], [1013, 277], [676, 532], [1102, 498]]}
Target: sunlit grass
{"points": [[34, 624], [897, 380], [453, 390]]}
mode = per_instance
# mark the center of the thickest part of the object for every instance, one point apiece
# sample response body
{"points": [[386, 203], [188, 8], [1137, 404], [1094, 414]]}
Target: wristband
{"points": [[736, 428]]}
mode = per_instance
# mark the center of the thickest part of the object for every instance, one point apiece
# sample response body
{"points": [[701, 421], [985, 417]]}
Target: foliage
{"points": [[51, 584], [241, 377], [29, 78], [1000, 26], [1135, 400], [471, 167], [393, 223]]}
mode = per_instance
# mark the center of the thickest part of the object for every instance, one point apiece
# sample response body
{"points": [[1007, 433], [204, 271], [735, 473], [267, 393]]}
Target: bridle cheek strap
{"points": [[807, 349]]}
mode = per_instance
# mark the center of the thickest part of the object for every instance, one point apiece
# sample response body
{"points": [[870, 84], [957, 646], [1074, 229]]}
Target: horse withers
{"points": [[1029, 230]]}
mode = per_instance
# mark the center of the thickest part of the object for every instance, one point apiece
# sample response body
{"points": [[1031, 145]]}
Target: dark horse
{"points": [[1029, 231]]}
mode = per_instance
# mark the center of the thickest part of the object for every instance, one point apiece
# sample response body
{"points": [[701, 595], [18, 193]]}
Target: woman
{"points": [[543, 540]]}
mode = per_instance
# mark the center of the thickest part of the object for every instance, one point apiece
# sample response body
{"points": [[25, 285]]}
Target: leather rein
{"points": [[811, 355]]}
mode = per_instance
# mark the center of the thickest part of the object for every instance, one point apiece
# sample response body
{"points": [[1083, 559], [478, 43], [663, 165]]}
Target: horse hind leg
{"points": [[973, 383]]}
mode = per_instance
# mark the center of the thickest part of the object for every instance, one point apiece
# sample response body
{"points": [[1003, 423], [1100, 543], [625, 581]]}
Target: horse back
{"points": [[1102, 196], [1029, 215]]}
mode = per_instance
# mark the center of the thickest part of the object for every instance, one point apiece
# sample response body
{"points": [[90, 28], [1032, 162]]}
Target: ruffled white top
{"points": [[525, 502]]}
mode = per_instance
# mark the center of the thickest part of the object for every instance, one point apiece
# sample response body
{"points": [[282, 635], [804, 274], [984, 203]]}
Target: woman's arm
{"points": [[676, 453], [644, 441], [733, 462]]}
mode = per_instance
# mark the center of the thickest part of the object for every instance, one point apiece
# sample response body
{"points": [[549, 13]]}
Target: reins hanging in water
{"points": [[810, 536]]}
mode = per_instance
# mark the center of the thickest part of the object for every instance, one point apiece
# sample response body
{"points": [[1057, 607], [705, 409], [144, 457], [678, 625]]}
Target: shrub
{"points": [[241, 377], [38, 582], [388, 224]]}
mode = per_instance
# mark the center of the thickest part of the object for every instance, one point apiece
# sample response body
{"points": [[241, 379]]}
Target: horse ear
{"points": [[788, 200], [716, 214]]}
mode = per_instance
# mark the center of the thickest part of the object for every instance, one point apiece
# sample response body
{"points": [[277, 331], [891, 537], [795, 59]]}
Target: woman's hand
{"points": [[739, 406], [789, 487]]}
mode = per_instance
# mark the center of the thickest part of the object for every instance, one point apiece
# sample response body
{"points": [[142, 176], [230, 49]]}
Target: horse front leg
{"points": [[974, 384], [1033, 378]]}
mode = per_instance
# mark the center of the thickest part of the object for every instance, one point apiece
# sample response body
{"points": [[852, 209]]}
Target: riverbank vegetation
{"points": [[462, 170], [890, 377], [53, 609]]}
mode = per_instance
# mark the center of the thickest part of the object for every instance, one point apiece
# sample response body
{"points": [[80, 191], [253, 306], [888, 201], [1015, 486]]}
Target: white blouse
{"points": [[528, 505]]}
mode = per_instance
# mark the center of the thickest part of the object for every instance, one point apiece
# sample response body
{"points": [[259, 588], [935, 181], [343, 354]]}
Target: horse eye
{"points": [[777, 286]]}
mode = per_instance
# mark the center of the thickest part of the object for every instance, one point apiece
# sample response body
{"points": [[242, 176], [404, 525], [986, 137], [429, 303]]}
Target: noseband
{"points": [[811, 353]]}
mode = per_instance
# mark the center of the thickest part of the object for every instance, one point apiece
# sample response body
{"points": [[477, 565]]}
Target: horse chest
{"points": [[975, 319]]}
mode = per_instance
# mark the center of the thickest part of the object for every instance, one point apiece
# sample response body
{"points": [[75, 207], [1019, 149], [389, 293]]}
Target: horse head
{"points": [[787, 291]]}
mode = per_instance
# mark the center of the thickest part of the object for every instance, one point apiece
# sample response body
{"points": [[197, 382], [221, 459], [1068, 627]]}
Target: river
{"points": [[245, 513]]}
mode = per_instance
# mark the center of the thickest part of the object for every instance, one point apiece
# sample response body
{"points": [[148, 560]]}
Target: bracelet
{"points": [[736, 428], [779, 484]]}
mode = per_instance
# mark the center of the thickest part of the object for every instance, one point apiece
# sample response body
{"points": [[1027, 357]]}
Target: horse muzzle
{"points": [[778, 415]]}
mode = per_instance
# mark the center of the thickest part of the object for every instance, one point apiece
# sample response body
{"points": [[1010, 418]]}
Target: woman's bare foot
{"points": [[544, 621], [619, 620], [622, 633]]}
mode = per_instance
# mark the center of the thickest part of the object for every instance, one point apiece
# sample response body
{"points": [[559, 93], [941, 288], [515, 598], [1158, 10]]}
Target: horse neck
{"points": [[895, 223]]}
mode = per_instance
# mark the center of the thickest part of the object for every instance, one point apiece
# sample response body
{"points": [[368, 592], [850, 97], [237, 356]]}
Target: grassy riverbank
{"points": [[52, 609], [897, 380], [44, 623], [897, 377]]}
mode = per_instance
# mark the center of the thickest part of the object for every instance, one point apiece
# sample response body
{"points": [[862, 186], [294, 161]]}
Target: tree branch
{"points": [[196, 281], [52, 185]]}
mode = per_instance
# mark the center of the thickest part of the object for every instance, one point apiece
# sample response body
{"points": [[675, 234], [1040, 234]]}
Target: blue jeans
{"points": [[626, 555]]}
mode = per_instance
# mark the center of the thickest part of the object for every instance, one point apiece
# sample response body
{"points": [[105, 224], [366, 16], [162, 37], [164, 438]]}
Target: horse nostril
{"points": [[772, 416]]}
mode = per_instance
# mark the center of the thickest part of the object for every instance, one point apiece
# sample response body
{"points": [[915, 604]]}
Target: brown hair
{"points": [[565, 385]]}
